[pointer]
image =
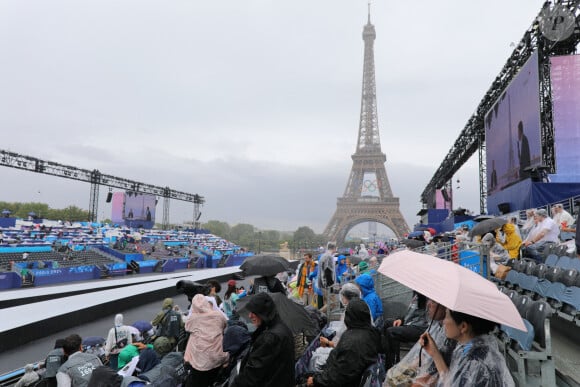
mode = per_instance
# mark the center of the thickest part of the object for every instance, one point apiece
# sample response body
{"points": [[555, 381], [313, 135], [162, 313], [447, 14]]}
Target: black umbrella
{"points": [[294, 315], [265, 265], [93, 341], [486, 226], [481, 218], [412, 243]]}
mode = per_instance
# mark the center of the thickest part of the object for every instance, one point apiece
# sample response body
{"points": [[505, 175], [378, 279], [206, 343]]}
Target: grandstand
{"points": [[34, 254]]}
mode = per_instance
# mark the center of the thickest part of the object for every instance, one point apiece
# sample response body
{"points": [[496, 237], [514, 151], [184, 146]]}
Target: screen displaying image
{"points": [[139, 207], [512, 130], [565, 77]]}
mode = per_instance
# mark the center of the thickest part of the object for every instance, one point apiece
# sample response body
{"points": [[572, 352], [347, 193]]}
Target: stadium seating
{"points": [[538, 315]]}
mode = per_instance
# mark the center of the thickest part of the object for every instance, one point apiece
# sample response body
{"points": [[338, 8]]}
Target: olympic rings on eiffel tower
{"points": [[370, 185]]}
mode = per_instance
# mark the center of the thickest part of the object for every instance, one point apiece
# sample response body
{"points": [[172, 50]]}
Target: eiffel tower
{"points": [[368, 196]]}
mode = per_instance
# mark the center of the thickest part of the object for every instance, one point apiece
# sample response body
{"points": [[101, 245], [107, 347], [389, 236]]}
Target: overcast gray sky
{"points": [[253, 104]]}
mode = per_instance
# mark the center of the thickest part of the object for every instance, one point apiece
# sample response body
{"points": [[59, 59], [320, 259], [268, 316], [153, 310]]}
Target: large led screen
{"points": [[139, 207], [128, 207], [512, 130], [565, 76]]}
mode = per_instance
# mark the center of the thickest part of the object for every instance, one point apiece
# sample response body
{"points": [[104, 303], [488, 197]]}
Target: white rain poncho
{"points": [[407, 372], [478, 363]]}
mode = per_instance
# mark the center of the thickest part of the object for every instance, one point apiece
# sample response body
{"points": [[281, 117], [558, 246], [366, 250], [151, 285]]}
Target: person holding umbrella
{"points": [[476, 361]]}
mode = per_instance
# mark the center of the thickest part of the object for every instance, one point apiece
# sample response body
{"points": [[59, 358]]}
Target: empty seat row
{"points": [[535, 344]]}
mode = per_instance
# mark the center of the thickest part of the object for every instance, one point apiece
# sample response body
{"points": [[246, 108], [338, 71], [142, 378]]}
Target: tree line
{"points": [[251, 237], [43, 211]]}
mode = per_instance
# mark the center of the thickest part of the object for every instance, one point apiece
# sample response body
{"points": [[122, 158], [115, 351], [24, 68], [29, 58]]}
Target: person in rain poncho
{"points": [[512, 241], [118, 337], [357, 350], [326, 269], [425, 373], [497, 254], [363, 252], [30, 377], [341, 269], [204, 354], [476, 361], [367, 287]]}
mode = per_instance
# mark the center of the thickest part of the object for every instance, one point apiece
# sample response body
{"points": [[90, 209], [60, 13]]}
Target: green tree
{"points": [[242, 232], [304, 238], [216, 227]]}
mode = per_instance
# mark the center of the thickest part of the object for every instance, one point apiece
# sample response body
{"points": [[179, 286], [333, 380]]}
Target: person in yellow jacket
{"points": [[512, 240]]}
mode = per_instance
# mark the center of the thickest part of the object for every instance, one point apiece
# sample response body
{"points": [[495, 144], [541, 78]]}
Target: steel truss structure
{"points": [[472, 137], [96, 179]]}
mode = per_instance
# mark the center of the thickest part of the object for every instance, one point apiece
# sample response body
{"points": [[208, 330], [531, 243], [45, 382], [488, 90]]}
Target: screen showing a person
{"points": [[512, 130], [139, 207]]}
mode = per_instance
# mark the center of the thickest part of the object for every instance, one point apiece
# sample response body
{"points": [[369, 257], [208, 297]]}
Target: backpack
{"points": [[171, 324]]}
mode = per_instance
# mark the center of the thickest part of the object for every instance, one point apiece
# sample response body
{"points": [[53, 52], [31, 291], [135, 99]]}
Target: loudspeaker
{"points": [[109, 197], [504, 208], [445, 195]]}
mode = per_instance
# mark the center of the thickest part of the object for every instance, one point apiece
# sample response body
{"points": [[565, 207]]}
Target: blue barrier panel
{"points": [[133, 257], [112, 252], [10, 280], [147, 266], [168, 266], [200, 264], [175, 243], [67, 274], [215, 262], [208, 262], [117, 269], [236, 260], [173, 264], [470, 260]]}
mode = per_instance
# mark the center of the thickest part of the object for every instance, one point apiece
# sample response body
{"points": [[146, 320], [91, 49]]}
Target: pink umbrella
{"points": [[452, 286]]}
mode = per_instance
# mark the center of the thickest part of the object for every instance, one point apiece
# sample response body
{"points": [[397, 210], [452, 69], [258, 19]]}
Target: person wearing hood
{"points": [[357, 349], [476, 361], [341, 269], [512, 240], [166, 305], [203, 354], [236, 343], [168, 321], [367, 287], [270, 361], [497, 254], [29, 378], [363, 267], [119, 337]]}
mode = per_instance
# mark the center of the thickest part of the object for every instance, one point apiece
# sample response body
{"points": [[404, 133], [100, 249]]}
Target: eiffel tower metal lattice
{"points": [[368, 196]]}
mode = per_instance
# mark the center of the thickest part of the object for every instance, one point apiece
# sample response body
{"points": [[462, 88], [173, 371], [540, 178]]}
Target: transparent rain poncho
{"points": [[477, 363], [407, 372]]}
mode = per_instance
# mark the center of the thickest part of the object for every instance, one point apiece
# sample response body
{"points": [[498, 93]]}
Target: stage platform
{"points": [[33, 313]]}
